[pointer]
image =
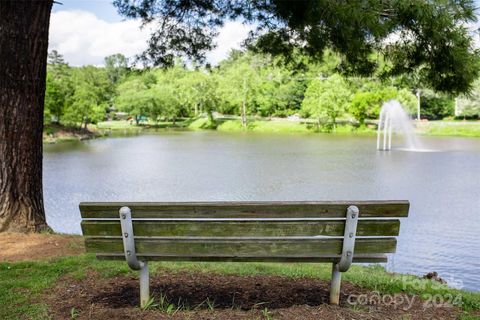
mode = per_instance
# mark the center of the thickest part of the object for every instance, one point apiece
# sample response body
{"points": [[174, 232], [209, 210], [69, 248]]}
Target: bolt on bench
{"points": [[340, 233]]}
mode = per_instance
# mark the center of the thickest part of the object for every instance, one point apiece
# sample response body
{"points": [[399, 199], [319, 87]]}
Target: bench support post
{"points": [[144, 285], [347, 253], [131, 256], [335, 284]]}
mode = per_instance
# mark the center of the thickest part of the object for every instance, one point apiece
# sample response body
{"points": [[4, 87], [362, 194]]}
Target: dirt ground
{"points": [[197, 295], [22, 247]]}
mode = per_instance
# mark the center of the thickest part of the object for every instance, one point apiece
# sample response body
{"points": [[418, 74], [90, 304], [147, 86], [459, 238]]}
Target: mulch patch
{"points": [[233, 297]]}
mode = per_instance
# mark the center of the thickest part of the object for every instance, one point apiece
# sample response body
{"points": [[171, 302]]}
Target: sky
{"points": [[86, 31]]}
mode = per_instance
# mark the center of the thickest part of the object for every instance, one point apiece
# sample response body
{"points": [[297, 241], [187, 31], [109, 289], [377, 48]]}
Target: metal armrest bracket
{"points": [[129, 240], [349, 238]]}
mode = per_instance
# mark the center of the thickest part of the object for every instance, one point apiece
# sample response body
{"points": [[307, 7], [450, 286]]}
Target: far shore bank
{"points": [[56, 133], [59, 133]]}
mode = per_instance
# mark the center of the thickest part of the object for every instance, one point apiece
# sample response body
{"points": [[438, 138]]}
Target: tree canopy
{"points": [[430, 37]]}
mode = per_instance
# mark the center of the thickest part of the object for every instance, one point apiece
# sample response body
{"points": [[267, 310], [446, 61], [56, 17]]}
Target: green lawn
{"points": [[451, 128], [274, 126], [22, 283]]}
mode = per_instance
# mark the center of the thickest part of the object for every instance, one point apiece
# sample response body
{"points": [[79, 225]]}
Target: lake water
{"points": [[441, 233]]}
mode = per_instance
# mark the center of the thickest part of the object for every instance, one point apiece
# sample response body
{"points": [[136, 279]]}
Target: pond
{"points": [[441, 233]]}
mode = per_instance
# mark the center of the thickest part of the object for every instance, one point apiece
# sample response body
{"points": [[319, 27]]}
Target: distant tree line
{"points": [[245, 84]]}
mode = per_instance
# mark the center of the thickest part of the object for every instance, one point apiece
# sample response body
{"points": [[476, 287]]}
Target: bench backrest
{"points": [[243, 231]]}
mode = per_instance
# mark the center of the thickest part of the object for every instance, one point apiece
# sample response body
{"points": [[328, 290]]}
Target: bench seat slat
{"points": [[241, 228], [299, 209], [358, 258], [241, 247]]}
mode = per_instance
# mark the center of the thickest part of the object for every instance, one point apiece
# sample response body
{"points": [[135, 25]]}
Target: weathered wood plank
{"points": [[276, 209], [240, 247], [272, 228], [365, 258]]}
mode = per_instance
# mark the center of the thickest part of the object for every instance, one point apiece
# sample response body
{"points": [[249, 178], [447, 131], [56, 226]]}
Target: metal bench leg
{"points": [[335, 284], [144, 285], [131, 255]]}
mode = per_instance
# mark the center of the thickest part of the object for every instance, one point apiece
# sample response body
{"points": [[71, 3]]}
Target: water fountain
{"points": [[394, 119]]}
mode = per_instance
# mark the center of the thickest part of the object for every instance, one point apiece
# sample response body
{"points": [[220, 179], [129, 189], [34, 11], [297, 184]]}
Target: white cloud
{"points": [[83, 38], [231, 36], [474, 29]]}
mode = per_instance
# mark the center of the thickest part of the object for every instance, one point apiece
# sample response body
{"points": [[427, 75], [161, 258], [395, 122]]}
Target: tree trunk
{"points": [[244, 104], [244, 115], [23, 61]]}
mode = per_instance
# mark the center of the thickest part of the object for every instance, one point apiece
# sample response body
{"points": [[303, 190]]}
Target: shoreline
{"points": [[58, 133]]}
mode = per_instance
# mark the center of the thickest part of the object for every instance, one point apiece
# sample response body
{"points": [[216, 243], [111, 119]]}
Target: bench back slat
{"points": [[276, 209], [240, 247], [239, 228]]}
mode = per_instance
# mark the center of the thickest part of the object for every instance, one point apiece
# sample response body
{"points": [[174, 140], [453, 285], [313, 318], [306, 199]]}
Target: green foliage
{"points": [[326, 99], [239, 79], [168, 94], [54, 99], [134, 95], [408, 100], [116, 66], [367, 102], [90, 98], [59, 87], [469, 105], [55, 58], [435, 106]]}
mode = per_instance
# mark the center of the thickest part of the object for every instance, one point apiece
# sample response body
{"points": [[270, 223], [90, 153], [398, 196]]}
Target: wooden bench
{"points": [[336, 232]]}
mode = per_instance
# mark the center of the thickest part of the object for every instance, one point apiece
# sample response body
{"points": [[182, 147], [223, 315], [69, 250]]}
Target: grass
{"points": [[202, 124], [118, 125], [274, 126], [451, 128], [22, 283], [265, 126]]}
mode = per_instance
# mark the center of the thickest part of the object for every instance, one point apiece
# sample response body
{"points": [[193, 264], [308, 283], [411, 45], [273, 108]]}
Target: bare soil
{"points": [[198, 295], [23, 247]]}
